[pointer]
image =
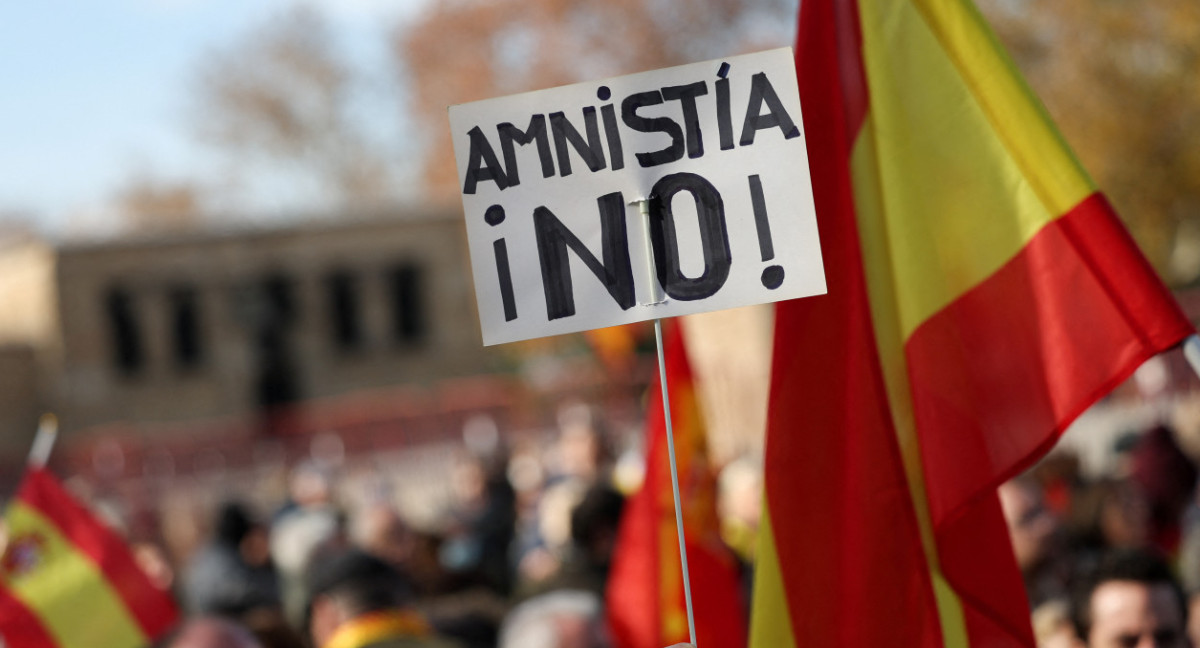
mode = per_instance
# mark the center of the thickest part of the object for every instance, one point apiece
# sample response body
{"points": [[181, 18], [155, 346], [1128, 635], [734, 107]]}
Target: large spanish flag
{"points": [[982, 294], [645, 599], [68, 581]]}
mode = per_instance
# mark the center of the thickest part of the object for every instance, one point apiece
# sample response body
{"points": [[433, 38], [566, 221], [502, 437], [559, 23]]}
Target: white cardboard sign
{"points": [[664, 193]]}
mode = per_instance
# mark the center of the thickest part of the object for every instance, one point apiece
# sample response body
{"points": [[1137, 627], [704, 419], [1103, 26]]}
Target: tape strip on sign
{"points": [[552, 183]]}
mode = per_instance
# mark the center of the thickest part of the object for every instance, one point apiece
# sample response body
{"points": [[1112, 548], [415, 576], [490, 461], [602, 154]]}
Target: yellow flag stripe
{"points": [[66, 590], [955, 203], [1013, 110], [884, 314], [770, 623]]}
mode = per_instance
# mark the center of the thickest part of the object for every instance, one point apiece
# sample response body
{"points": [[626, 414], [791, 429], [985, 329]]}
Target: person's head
{"points": [[232, 524], [1031, 526], [1111, 514], [212, 632], [348, 585], [311, 486], [1131, 601], [380, 531], [236, 528], [594, 523]]}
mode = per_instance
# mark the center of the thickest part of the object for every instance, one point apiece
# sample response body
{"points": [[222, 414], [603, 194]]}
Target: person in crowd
{"points": [[483, 524], [1108, 514], [593, 535], [211, 632], [309, 522], [1131, 600], [566, 610], [1167, 479], [1034, 532], [233, 573], [580, 457], [379, 530], [357, 600]]}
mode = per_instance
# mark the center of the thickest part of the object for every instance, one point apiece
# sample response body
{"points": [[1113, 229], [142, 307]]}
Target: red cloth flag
{"points": [[982, 294], [645, 600], [68, 581]]}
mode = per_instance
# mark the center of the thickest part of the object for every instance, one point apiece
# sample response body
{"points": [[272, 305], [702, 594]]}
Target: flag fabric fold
{"points": [[645, 600], [68, 581], [982, 294]]}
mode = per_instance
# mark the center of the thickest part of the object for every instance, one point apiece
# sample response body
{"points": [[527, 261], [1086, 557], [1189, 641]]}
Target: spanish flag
{"points": [[982, 294], [68, 581], [645, 600]]}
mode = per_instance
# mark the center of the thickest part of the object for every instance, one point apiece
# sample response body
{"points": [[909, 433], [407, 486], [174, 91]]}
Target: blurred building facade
{"points": [[211, 325]]}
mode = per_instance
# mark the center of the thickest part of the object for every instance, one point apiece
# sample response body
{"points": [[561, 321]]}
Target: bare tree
{"points": [[1122, 80], [283, 95], [146, 203]]}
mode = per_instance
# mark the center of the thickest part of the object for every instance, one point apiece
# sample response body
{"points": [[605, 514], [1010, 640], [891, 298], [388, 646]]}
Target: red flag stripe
{"points": [[152, 608], [23, 629], [1044, 331]]}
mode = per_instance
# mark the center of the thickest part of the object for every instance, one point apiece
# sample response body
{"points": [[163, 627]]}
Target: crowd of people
{"points": [[1111, 560], [521, 557]]}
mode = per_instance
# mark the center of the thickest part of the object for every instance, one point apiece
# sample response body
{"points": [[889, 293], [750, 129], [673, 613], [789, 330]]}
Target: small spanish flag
{"points": [[68, 581]]}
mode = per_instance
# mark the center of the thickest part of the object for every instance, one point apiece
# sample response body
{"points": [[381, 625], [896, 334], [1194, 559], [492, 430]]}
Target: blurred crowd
{"points": [[518, 557], [519, 554], [1110, 559]]}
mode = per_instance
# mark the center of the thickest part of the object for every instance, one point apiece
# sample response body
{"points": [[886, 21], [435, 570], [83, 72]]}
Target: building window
{"points": [[187, 345], [345, 310], [128, 355], [408, 312]]}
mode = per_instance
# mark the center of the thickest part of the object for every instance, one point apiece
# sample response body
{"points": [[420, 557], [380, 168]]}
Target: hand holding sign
{"points": [[555, 244]]}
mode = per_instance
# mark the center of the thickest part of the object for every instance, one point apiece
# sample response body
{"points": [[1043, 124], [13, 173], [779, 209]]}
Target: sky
{"points": [[94, 93]]}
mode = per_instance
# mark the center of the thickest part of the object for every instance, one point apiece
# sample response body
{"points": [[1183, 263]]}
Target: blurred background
{"points": [[232, 260]]}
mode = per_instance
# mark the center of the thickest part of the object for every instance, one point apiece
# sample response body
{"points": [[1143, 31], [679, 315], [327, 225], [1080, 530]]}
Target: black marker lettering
{"points": [[592, 150], [536, 131], [629, 108], [772, 275], [482, 164], [761, 90], [714, 237], [500, 250], [616, 272], [611, 132], [686, 96], [724, 121]]}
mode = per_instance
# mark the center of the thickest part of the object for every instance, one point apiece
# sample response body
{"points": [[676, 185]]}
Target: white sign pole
{"points": [[43, 443], [683, 561], [644, 210], [1191, 351]]}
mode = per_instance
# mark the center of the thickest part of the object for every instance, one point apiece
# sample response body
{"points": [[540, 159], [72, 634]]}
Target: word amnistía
{"points": [[555, 135]]}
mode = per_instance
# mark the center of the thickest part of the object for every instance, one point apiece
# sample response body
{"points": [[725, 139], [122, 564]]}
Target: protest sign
{"points": [[664, 193]]}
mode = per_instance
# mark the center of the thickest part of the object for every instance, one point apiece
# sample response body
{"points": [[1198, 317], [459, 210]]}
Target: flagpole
{"points": [[1191, 351], [644, 210], [43, 442], [683, 561]]}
